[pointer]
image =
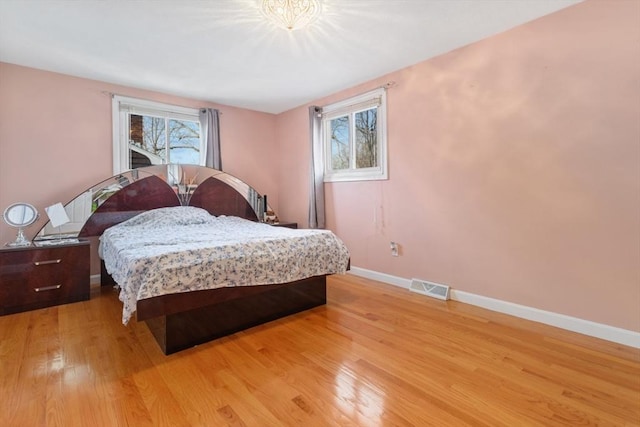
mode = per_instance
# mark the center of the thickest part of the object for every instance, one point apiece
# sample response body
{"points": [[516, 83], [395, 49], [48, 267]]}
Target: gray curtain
{"points": [[316, 194], [210, 125]]}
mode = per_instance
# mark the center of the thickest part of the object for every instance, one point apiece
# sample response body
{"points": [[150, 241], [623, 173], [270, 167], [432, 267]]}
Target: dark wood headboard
{"points": [[152, 192]]}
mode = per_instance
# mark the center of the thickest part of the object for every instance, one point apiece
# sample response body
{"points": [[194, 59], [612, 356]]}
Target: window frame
{"points": [[122, 106], [350, 107]]}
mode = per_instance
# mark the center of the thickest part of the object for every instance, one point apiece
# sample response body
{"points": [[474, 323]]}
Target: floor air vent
{"points": [[431, 289]]}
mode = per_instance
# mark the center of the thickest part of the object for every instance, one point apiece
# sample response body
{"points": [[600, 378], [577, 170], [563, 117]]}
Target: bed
{"points": [[191, 291]]}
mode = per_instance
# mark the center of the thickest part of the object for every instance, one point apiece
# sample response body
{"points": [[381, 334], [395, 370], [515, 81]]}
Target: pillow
{"points": [[174, 216]]}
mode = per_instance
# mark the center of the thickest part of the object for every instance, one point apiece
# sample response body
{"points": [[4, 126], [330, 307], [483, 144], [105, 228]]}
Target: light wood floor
{"points": [[375, 355]]}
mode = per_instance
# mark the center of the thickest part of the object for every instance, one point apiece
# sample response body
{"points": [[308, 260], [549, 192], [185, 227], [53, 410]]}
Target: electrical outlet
{"points": [[394, 249]]}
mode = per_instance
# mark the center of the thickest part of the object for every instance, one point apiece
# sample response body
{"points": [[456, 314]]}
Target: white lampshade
{"points": [[57, 215]]}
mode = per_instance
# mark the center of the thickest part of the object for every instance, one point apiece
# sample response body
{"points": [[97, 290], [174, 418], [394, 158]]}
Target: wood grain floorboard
{"points": [[375, 355]]}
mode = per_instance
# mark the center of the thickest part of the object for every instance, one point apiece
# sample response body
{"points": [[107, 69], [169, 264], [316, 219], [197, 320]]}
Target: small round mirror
{"points": [[20, 215]]}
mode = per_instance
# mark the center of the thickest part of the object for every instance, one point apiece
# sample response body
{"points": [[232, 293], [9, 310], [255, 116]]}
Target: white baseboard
{"points": [[574, 324], [94, 279], [380, 277]]}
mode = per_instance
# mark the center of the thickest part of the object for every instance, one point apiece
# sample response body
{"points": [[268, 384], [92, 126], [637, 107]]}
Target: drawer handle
{"points": [[53, 261], [48, 288]]}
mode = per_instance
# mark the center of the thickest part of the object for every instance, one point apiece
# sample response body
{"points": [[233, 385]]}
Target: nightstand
{"points": [[286, 224], [35, 277]]}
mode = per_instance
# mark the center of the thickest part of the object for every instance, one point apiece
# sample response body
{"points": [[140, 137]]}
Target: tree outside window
{"points": [[152, 135], [355, 138]]}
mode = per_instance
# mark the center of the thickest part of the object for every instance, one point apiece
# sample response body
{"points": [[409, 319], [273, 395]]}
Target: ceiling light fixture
{"points": [[291, 14]]}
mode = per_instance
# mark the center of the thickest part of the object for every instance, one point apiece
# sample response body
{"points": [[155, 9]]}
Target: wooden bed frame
{"points": [[183, 320], [180, 321]]}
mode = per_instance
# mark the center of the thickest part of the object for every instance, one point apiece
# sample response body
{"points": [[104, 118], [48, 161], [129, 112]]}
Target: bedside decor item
{"points": [[57, 218], [57, 215], [20, 215]]}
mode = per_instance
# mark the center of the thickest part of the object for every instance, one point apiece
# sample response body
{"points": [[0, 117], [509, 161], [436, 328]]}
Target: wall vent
{"points": [[431, 289]]}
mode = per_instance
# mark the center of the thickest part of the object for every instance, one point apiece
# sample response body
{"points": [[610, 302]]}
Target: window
{"points": [[355, 141], [150, 133]]}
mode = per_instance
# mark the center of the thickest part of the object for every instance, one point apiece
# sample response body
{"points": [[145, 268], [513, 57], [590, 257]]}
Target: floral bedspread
{"points": [[183, 249]]}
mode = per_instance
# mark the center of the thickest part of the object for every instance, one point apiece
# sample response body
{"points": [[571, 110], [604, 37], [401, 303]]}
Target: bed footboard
{"points": [[178, 331]]}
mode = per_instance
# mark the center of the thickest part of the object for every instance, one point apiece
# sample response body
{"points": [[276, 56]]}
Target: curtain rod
{"points": [[112, 94], [387, 85], [343, 104]]}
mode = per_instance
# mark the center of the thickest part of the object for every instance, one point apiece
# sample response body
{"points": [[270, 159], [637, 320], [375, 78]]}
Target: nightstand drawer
{"points": [[39, 277]]}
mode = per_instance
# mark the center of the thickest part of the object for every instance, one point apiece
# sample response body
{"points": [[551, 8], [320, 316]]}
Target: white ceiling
{"points": [[222, 50]]}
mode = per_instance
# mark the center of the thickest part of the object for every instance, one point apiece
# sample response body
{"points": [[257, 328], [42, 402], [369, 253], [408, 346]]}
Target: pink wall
{"points": [[514, 162], [514, 168], [55, 139]]}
